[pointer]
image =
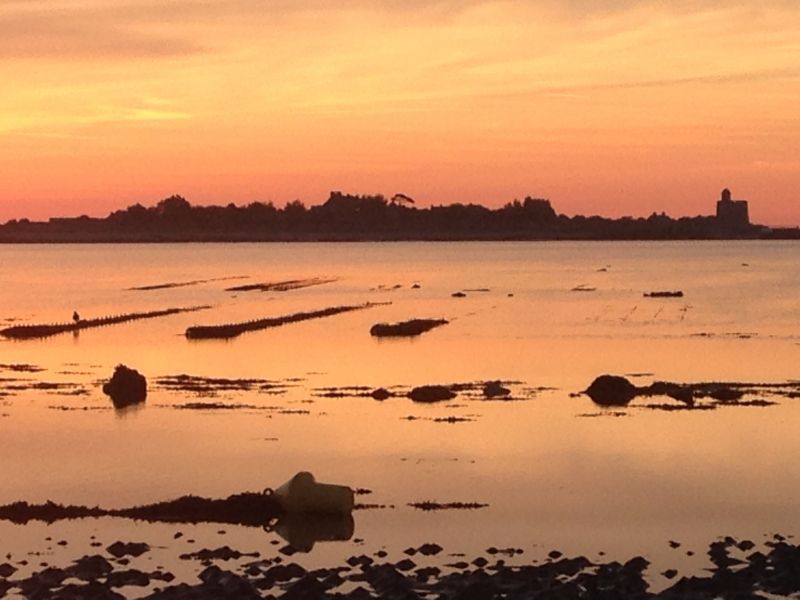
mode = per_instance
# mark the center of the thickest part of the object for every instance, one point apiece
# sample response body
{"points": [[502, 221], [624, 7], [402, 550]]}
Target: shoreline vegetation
{"points": [[345, 217]]}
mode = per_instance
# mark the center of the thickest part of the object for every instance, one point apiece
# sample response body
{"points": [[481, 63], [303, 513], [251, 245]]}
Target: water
{"points": [[552, 476]]}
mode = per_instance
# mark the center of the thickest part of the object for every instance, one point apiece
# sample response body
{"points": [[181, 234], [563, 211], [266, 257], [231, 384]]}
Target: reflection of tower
{"points": [[732, 214]]}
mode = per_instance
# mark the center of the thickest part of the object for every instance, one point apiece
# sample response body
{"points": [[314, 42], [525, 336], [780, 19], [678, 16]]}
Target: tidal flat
{"points": [[636, 496]]}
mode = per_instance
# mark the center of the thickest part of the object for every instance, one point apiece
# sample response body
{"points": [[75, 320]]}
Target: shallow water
{"points": [[552, 476]]}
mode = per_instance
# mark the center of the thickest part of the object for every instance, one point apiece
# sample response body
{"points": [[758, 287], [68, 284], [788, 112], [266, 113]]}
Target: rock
{"points": [[682, 393], [7, 570], [426, 573], [480, 562], [430, 549], [725, 394], [130, 577], [94, 590], [668, 294], [38, 584], [223, 553], [120, 549], [225, 584], [431, 393], [410, 328], [611, 390], [88, 568], [381, 394], [126, 387], [458, 295], [745, 545], [493, 389], [405, 565]]}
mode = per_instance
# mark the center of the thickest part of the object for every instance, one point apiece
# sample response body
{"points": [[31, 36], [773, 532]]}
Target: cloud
{"points": [[72, 30]]}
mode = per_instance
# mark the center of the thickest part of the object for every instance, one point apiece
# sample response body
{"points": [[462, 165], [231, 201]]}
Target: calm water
{"points": [[553, 477]]}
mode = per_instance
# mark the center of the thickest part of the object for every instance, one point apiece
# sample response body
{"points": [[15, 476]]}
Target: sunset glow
{"points": [[610, 108]]}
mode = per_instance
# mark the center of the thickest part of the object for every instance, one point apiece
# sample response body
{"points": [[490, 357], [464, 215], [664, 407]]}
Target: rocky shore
{"points": [[738, 569]]}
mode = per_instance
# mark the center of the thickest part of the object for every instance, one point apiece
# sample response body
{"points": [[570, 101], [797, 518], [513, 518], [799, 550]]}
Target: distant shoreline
{"points": [[349, 218], [123, 242]]}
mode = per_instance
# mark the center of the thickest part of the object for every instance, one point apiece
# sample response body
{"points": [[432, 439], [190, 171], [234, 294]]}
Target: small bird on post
{"points": [[76, 317]]}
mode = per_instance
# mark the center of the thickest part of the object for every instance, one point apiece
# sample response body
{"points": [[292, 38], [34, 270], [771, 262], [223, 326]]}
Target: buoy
{"points": [[302, 494]]}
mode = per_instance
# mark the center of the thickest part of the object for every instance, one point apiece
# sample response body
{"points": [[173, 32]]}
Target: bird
{"points": [[75, 316]]}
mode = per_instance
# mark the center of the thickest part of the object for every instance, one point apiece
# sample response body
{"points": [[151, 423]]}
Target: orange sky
{"points": [[610, 107]]}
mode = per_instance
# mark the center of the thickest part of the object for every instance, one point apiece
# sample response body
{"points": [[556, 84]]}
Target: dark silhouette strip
{"points": [[22, 332], [245, 509], [280, 286], [177, 284], [231, 330]]}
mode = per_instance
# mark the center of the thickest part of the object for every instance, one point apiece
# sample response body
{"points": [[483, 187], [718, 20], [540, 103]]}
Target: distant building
{"points": [[732, 214]]}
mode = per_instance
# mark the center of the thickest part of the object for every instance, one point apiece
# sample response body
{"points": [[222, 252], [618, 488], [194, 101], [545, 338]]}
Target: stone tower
{"points": [[732, 214]]}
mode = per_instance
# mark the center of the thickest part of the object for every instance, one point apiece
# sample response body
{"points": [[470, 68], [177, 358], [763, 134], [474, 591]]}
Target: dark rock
{"points": [[725, 394], [670, 573], [282, 573], [668, 294], [682, 393], [362, 561], [307, 588], [611, 390], [554, 554], [431, 393], [410, 328], [381, 394], [480, 562], [93, 590], [39, 583], [224, 553], [126, 387], [7, 570], [636, 564], [360, 593], [493, 389], [478, 590], [120, 549], [130, 577], [224, 584], [458, 295], [430, 549], [405, 565], [745, 545], [427, 573], [88, 568]]}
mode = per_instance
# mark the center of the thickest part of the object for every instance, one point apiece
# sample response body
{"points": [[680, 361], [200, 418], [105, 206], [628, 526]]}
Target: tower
{"points": [[732, 214]]}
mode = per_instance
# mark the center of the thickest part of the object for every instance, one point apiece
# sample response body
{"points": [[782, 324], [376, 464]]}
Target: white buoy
{"points": [[302, 494]]}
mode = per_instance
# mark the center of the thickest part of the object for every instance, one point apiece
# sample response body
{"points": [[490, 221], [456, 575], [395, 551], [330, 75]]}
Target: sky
{"points": [[604, 107]]}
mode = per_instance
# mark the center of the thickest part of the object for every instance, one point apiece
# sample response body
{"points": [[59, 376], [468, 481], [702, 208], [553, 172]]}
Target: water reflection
{"points": [[303, 531], [127, 411]]}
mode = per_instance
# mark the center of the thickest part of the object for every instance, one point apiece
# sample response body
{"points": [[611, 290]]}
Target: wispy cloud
{"points": [[77, 30]]}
